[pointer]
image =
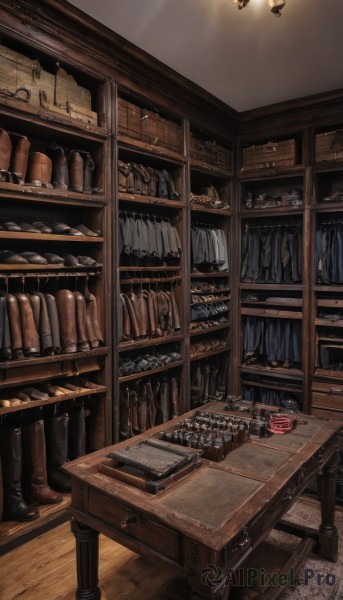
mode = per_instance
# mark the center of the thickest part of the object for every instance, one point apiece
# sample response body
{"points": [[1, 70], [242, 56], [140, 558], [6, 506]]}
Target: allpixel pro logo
{"points": [[212, 576]]}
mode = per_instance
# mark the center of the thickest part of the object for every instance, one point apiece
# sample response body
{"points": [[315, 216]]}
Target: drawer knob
{"points": [[288, 495], [129, 519], [243, 539]]}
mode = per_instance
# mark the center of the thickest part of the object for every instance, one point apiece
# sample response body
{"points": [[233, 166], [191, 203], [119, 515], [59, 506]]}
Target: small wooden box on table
{"points": [[216, 515]]}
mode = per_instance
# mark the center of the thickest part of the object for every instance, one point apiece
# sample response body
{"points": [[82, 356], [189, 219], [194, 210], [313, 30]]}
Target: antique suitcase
{"points": [[160, 131], [329, 146], [273, 155], [25, 80], [129, 119], [210, 152]]}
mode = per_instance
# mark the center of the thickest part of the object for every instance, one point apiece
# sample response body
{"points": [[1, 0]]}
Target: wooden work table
{"points": [[216, 515]]}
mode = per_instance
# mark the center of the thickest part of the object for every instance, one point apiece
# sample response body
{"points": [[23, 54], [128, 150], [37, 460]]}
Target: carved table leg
{"points": [[87, 560], [328, 537], [206, 572]]}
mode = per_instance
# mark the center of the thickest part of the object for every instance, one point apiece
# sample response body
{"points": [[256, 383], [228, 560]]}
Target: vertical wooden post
{"points": [[87, 560]]}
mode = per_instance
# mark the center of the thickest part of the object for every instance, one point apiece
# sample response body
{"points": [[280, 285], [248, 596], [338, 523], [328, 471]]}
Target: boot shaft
{"points": [[40, 169], [20, 159], [60, 171], [75, 171], [5, 150], [77, 434]]}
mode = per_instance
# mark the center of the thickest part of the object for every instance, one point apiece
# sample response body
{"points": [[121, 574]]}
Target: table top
{"points": [[214, 503]]}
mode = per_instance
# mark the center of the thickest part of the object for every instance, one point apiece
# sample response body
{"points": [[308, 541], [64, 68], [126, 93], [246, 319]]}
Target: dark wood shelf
{"points": [[330, 303], [277, 371], [328, 288], [42, 360], [53, 400], [277, 211], [211, 211], [270, 312], [206, 292], [62, 270], [327, 374], [329, 323], [203, 355], [295, 302], [150, 200], [172, 365], [200, 331], [322, 338], [287, 287], [145, 148], [152, 268], [139, 280], [212, 301], [272, 386], [49, 237], [327, 206], [272, 173], [148, 342], [206, 168], [31, 193], [199, 275], [328, 166]]}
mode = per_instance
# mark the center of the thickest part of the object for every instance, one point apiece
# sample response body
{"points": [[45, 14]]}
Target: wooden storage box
{"points": [[273, 155], [210, 152], [329, 146], [159, 131], [129, 119]]}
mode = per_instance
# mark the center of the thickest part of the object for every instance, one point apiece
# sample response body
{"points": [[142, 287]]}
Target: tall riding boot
{"points": [[31, 345], [142, 408], [5, 154], [125, 425], [6, 346], [56, 433], [20, 160], [133, 407], [212, 388], [222, 376], [40, 170], [37, 490], [206, 379], [65, 303], [150, 405], [60, 172], [196, 388], [15, 507], [80, 314], [174, 397], [75, 171], [156, 390], [88, 170], [54, 322], [77, 433], [15, 326], [165, 400]]}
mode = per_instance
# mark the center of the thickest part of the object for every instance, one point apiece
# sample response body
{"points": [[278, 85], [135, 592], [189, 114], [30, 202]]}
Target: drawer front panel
{"points": [[135, 525]]}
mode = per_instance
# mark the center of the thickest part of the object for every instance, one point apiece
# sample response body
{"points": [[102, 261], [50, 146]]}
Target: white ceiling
{"points": [[247, 58]]}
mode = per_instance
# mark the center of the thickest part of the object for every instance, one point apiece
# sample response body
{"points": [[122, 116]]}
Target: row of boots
{"points": [[31, 457], [73, 172], [208, 381], [148, 314], [46, 324], [145, 403], [135, 178]]}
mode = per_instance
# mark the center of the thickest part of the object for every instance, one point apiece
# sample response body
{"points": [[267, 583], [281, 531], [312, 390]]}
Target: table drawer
{"points": [[136, 525]]}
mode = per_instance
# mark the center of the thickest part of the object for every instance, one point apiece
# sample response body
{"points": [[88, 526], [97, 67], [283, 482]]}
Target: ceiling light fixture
{"points": [[276, 6]]}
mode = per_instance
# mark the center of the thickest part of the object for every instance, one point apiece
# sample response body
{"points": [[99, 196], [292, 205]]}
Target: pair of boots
{"points": [[74, 174], [23, 460], [17, 173], [204, 385]]}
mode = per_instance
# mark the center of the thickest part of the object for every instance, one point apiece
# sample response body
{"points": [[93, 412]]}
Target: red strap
{"points": [[280, 424]]}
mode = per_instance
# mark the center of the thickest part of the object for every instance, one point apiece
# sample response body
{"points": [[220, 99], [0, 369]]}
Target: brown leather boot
{"points": [[206, 381], [31, 345], [75, 171], [60, 172], [80, 313], [5, 154], [54, 323], [133, 409], [15, 326], [151, 404], [165, 400], [37, 490], [88, 170], [45, 330], [40, 170], [124, 414], [92, 305], [65, 303], [174, 397], [20, 160], [142, 408]]}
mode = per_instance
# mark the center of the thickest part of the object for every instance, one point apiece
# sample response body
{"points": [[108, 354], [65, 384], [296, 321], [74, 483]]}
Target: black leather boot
{"points": [[60, 169], [56, 435], [15, 507], [77, 433]]}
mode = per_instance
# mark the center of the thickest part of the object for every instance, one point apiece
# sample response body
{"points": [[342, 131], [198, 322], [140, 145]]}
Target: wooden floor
{"points": [[44, 569]]}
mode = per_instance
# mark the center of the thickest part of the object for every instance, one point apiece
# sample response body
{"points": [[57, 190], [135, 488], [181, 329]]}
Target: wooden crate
{"points": [[210, 152], [129, 119], [160, 131], [329, 146], [271, 155]]}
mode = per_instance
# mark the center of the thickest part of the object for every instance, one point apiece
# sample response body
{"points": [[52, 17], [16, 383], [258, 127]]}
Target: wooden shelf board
{"points": [[287, 287], [150, 200], [328, 323], [327, 206], [148, 342], [203, 167], [140, 280], [194, 332], [127, 142], [172, 365], [327, 374], [272, 386], [199, 275], [272, 173], [48, 267], [42, 360], [269, 312], [152, 268], [295, 302], [277, 371], [50, 237], [328, 288], [330, 303], [216, 291], [33, 190], [328, 166], [210, 353], [53, 400], [212, 300], [272, 212], [211, 211]]}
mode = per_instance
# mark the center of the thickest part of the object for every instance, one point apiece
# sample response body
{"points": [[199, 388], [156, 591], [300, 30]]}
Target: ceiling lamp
{"points": [[276, 6]]}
